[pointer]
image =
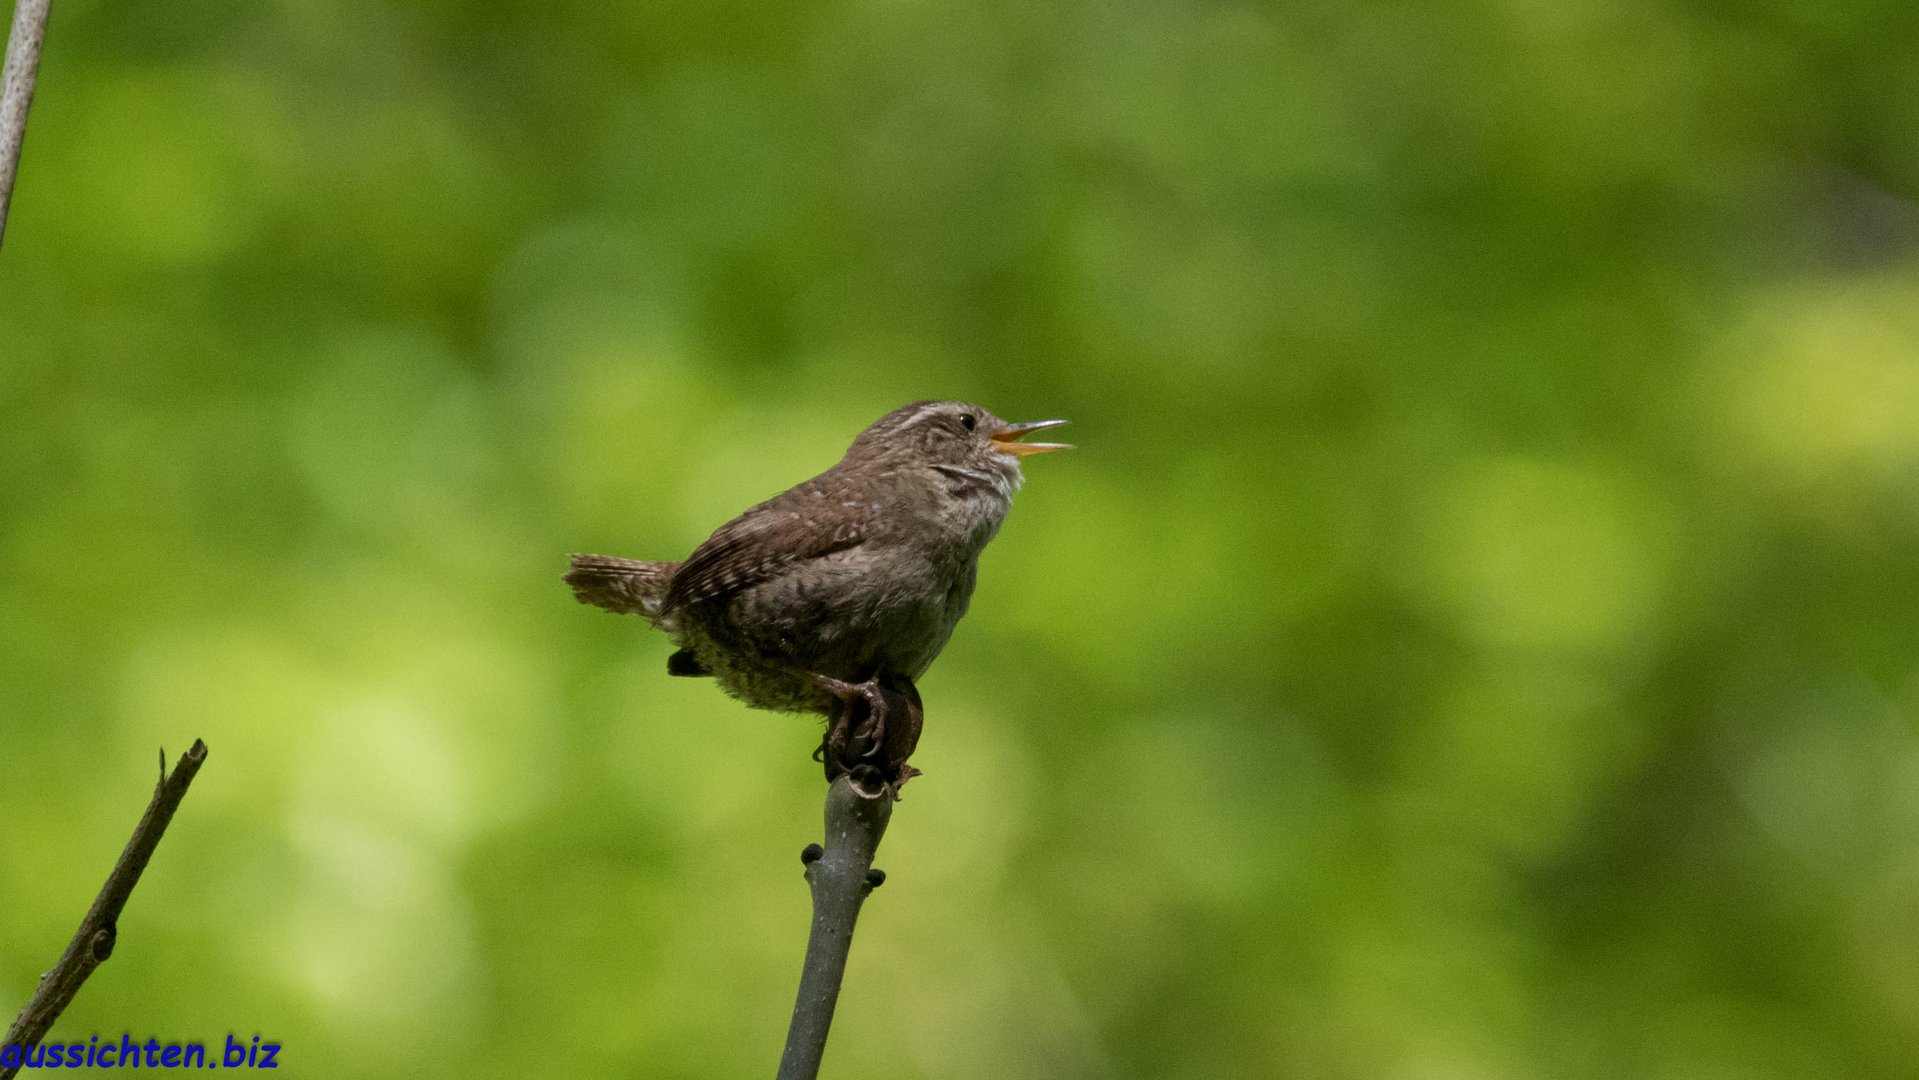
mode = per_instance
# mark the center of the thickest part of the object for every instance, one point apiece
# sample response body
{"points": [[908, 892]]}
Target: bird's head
{"points": [[961, 441]]}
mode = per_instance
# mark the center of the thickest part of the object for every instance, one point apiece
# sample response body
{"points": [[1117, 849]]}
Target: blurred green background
{"points": [[1477, 637]]}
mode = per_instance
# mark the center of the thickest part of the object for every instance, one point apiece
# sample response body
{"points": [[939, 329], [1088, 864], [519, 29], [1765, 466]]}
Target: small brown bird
{"points": [[835, 596]]}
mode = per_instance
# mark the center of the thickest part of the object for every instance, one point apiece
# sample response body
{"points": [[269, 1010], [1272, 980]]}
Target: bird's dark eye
{"points": [[968, 420]]}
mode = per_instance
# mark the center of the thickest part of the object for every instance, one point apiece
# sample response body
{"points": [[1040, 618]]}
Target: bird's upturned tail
{"points": [[627, 586]]}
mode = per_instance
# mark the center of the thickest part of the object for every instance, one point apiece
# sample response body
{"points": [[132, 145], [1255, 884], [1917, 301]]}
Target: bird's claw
{"points": [[881, 740]]}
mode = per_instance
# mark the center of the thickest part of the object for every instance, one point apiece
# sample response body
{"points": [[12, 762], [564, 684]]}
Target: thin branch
{"points": [[93, 943], [16, 91], [840, 875]]}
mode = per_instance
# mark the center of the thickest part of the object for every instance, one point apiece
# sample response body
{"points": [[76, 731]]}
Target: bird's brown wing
{"points": [[786, 530]]}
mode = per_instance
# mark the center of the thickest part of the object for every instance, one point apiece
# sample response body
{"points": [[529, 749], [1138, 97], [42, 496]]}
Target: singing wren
{"points": [[834, 596]]}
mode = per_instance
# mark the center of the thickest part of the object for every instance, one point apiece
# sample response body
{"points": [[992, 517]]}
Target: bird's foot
{"points": [[902, 736], [854, 725], [874, 726], [862, 701]]}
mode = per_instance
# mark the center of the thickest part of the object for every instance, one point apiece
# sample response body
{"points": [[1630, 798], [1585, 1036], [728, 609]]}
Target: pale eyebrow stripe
{"points": [[923, 412]]}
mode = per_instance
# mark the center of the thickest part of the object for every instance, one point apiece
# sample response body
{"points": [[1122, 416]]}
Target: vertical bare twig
{"points": [[93, 942], [16, 91], [840, 874]]}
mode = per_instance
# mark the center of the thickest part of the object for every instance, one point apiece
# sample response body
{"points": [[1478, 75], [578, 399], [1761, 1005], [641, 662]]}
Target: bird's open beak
{"points": [[1007, 439]]}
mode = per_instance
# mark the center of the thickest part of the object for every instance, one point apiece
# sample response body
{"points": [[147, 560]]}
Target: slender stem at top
{"points": [[840, 876]]}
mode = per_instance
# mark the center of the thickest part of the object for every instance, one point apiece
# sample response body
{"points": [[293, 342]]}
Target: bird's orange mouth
{"points": [[1007, 439]]}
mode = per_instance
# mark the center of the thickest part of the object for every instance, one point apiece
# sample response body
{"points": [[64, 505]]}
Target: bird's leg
{"points": [[876, 722], [859, 713], [902, 733]]}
